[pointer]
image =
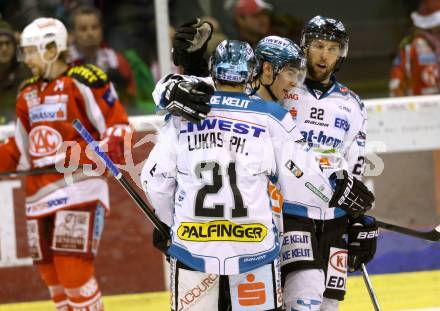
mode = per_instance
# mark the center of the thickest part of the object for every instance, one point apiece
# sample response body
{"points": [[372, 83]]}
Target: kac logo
{"points": [[43, 141]]}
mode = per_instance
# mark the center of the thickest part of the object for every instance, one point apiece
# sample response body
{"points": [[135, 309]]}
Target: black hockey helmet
{"points": [[320, 27]]}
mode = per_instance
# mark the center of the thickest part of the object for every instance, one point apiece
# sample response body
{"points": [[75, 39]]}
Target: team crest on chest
{"points": [[44, 140]]}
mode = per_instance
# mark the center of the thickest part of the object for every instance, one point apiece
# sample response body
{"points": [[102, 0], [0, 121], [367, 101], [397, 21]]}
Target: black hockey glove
{"points": [[189, 47], [160, 241], [350, 194], [362, 241], [188, 100]]}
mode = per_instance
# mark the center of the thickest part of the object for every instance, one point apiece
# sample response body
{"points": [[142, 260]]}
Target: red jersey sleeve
{"points": [[10, 156], [101, 103]]}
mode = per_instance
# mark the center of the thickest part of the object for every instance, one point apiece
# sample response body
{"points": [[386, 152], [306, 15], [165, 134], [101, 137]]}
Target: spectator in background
{"points": [[12, 73], [88, 47], [253, 20], [416, 68]]}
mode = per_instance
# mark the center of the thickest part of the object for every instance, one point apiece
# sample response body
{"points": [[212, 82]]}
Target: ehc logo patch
{"points": [[43, 141]]}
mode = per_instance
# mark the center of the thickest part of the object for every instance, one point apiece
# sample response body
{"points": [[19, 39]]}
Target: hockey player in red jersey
{"points": [[65, 218], [415, 69]]}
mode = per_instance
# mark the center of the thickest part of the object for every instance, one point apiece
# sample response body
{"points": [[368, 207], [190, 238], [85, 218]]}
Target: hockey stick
{"points": [[144, 206], [37, 171], [370, 288], [28, 172], [433, 235]]}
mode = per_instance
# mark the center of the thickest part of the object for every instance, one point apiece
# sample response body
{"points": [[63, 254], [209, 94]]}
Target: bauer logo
{"points": [[221, 230], [365, 235], [44, 140]]}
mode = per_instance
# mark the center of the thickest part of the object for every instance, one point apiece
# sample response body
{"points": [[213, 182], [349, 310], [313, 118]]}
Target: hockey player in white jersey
{"points": [[208, 182], [332, 120]]}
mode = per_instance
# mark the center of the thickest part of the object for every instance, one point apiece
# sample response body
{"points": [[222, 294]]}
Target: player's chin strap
{"points": [[49, 63], [269, 90], [268, 87]]}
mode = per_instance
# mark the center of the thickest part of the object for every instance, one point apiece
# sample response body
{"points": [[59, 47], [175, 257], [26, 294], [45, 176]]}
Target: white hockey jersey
{"points": [[334, 124], [208, 181]]}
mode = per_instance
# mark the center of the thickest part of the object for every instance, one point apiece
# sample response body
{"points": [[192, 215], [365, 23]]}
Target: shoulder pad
{"points": [[89, 74], [29, 81], [346, 91], [358, 99], [341, 88]]}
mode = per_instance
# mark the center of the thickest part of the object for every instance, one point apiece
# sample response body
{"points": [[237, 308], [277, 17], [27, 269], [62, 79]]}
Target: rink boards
{"points": [[416, 291], [406, 194]]}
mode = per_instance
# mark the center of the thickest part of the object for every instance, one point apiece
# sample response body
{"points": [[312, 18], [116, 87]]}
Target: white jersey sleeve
{"points": [[301, 180], [158, 175], [355, 149], [159, 90]]}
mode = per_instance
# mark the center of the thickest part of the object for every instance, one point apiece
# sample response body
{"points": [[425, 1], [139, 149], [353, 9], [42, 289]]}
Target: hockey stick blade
{"points": [[433, 235], [143, 205]]}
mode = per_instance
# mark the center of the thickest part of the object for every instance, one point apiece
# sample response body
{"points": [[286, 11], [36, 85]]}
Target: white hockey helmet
{"points": [[43, 31]]}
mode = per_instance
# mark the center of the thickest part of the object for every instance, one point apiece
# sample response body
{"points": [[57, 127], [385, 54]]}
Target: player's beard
{"points": [[319, 75]]}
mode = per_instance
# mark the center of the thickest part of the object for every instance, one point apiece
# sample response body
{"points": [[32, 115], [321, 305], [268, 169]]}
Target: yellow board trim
{"points": [[400, 291]]}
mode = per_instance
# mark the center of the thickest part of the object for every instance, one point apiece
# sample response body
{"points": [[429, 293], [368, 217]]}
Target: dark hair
{"points": [[84, 10]]}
